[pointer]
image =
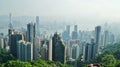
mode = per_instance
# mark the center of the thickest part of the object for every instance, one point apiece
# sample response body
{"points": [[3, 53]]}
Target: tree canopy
{"points": [[108, 61], [5, 56], [110, 56], [7, 60], [35, 63]]}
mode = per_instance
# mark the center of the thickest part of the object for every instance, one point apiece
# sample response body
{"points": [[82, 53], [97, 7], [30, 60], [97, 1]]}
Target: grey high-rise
{"points": [[75, 28], [46, 51], [37, 26], [66, 33], [36, 49], [97, 36], [68, 30], [89, 51], [75, 32], [1, 43], [106, 36], [30, 32]]}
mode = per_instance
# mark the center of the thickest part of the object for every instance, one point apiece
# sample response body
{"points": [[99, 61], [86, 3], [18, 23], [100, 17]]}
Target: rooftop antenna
{"points": [[10, 21]]}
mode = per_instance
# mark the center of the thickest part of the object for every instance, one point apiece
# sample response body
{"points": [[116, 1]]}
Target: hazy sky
{"points": [[61, 7], [98, 10]]}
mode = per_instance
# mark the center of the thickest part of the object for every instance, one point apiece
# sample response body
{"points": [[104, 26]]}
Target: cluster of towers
{"points": [[29, 45], [85, 44]]}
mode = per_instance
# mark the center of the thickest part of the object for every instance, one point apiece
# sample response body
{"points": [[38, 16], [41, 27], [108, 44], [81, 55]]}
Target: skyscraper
{"points": [[60, 52], [112, 38], [30, 32], [58, 49], [97, 36], [66, 33], [24, 50], [36, 48], [89, 51], [72, 45], [75, 51], [50, 49], [10, 28], [75, 33], [13, 43], [68, 30], [6, 40], [55, 39], [1, 43], [29, 51], [75, 28], [102, 40], [106, 36], [44, 52], [46, 49], [1, 40], [37, 26], [10, 20]]}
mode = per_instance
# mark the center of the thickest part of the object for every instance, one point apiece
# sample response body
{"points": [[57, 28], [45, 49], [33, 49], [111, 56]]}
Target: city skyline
{"points": [[53, 33], [96, 12]]}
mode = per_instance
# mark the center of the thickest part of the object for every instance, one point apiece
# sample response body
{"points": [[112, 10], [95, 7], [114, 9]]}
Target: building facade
{"points": [[24, 51], [13, 43], [58, 49], [30, 32]]}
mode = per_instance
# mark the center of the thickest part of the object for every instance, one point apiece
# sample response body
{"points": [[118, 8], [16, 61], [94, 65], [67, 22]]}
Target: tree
{"points": [[17, 63], [118, 63], [108, 61], [5, 56]]}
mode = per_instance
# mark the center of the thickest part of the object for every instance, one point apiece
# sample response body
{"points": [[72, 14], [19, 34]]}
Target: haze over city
{"points": [[95, 11], [59, 33]]}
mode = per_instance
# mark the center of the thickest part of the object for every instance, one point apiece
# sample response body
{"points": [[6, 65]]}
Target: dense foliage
{"points": [[7, 60], [108, 61], [110, 56], [37, 63], [5, 56], [40, 63], [16, 63]]}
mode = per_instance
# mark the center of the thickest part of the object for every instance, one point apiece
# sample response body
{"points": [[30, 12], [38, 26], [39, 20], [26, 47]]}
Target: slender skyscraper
{"points": [[1, 43], [106, 35], [10, 20], [37, 26], [36, 49], [31, 37], [1, 40], [97, 33], [97, 36]]}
